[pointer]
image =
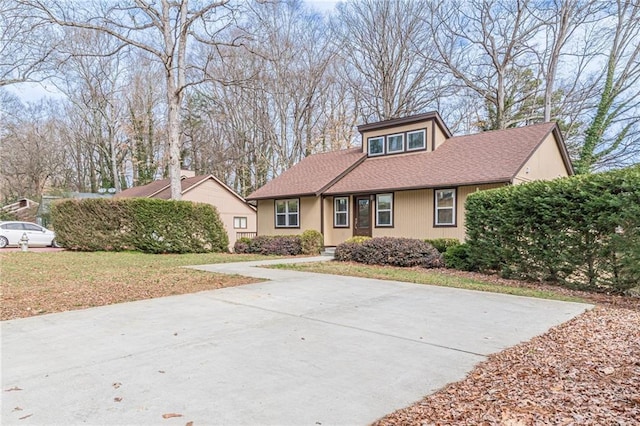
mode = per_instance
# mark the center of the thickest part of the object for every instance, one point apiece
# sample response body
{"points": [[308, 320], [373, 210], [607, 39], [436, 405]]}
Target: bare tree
{"points": [[485, 45], [26, 45], [162, 29], [388, 53], [612, 137]]}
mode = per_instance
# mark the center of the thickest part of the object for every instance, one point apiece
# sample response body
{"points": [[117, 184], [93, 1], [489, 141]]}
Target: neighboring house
{"points": [[23, 210], [238, 217], [410, 178], [43, 215]]}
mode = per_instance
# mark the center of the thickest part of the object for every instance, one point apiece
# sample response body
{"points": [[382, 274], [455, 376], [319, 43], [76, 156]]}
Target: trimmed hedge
{"points": [[390, 251], [142, 224], [310, 242], [457, 257], [443, 244], [275, 245], [582, 231]]}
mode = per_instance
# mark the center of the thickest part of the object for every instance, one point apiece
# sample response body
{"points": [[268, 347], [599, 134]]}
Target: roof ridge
{"points": [[506, 130]]}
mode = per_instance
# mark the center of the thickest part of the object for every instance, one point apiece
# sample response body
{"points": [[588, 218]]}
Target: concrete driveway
{"points": [[302, 349]]}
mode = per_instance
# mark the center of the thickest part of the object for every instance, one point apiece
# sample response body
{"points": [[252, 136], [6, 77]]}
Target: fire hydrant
{"points": [[24, 242]]}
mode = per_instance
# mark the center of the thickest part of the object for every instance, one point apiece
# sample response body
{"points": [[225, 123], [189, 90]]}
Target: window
{"points": [[384, 210], [445, 207], [240, 222], [287, 213], [341, 212], [415, 140], [395, 143], [376, 146]]}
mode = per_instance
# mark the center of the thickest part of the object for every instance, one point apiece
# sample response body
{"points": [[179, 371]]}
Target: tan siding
{"points": [[545, 163], [309, 217], [334, 236], [227, 204], [424, 125], [414, 210], [440, 137]]}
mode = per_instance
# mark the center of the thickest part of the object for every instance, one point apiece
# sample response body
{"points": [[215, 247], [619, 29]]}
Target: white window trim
{"points": [[336, 211], [424, 140], [240, 220], [369, 146], [397, 150], [286, 213], [390, 210], [453, 208]]}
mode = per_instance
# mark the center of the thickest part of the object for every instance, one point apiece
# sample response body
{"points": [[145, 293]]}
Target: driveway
{"points": [[302, 349]]}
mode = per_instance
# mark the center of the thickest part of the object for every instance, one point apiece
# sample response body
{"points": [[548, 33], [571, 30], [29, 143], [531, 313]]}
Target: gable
{"points": [[547, 162]]}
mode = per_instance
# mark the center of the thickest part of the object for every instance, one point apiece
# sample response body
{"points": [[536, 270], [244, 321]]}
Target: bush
{"points": [[582, 231], [242, 245], [442, 244], [358, 239], [457, 257], [390, 251], [312, 242], [275, 245], [142, 224]]}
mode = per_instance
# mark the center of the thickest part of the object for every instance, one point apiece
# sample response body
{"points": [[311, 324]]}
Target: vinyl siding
{"points": [[545, 163], [227, 204], [309, 217]]}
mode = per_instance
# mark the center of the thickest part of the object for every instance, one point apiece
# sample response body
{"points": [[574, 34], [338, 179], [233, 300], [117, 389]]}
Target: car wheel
{"points": [[3, 242], [55, 244]]}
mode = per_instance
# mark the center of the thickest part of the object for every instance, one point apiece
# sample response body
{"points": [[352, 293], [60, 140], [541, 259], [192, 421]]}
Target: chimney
{"points": [[187, 173]]}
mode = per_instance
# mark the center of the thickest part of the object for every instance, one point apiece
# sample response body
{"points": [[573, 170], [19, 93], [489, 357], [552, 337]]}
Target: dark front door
{"points": [[362, 216]]}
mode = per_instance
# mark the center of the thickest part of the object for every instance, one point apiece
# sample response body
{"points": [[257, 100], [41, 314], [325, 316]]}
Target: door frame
{"points": [[364, 232]]}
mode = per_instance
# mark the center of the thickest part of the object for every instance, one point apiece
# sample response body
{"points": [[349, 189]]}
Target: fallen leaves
{"points": [[56, 282], [170, 415], [585, 371]]}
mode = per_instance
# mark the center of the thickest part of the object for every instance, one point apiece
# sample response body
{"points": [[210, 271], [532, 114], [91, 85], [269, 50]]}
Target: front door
{"points": [[362, 216]]}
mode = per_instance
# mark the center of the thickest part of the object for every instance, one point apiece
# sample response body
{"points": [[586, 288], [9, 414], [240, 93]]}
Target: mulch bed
{"points": [[583, 372]]}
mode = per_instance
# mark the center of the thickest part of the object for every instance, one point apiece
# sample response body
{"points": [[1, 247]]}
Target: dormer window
{"points": [[376, 146], [416, 140], [395, 143]]}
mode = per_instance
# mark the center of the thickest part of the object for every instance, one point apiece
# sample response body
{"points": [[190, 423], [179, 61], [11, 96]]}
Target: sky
{"points": [[32, 92]]}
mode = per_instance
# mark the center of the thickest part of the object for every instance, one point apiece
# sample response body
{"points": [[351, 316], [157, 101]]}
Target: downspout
{"points": [[322, 217]]}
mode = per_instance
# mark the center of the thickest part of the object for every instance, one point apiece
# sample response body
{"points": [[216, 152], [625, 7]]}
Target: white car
{"points": [[12, 232]]}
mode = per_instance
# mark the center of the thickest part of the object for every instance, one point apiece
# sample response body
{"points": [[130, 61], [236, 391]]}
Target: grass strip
{"points": [[422, 276]]}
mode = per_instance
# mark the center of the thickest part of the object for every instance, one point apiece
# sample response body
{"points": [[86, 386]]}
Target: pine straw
{"points": [[585, 371]]}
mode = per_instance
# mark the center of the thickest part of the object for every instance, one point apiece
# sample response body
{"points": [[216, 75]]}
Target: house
{"points": [[410, 178], [238, 217]]}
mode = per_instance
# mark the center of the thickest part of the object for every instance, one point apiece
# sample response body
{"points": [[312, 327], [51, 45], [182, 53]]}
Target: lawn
{"points": [[439, 277], [38, 283]]}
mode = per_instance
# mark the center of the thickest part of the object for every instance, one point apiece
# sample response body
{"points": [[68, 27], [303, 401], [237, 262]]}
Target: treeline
{"points": [[260, 85]]}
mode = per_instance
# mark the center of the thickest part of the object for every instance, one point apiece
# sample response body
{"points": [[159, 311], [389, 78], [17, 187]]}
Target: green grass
{"points": [[422, 277], [44, 282]]}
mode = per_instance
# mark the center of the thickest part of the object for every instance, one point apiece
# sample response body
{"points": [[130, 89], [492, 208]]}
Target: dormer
{"points": [[417, 133]]}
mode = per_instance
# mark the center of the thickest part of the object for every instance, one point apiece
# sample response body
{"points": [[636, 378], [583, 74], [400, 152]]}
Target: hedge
{"points": [[582, 231], [390, 251], [141, 224]]}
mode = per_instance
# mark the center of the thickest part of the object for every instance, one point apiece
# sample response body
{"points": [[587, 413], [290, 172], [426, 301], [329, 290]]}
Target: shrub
{"points": [[358, 239], [280, 245], [142, 224], [442, 244], [242, 245], [311, 242], [390, 251], [457, 257], [582, 231]]}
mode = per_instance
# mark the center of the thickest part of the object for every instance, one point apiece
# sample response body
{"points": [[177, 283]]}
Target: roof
{"points": [[311, 176], [488, 157], [395, 122], [162, 188]]}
